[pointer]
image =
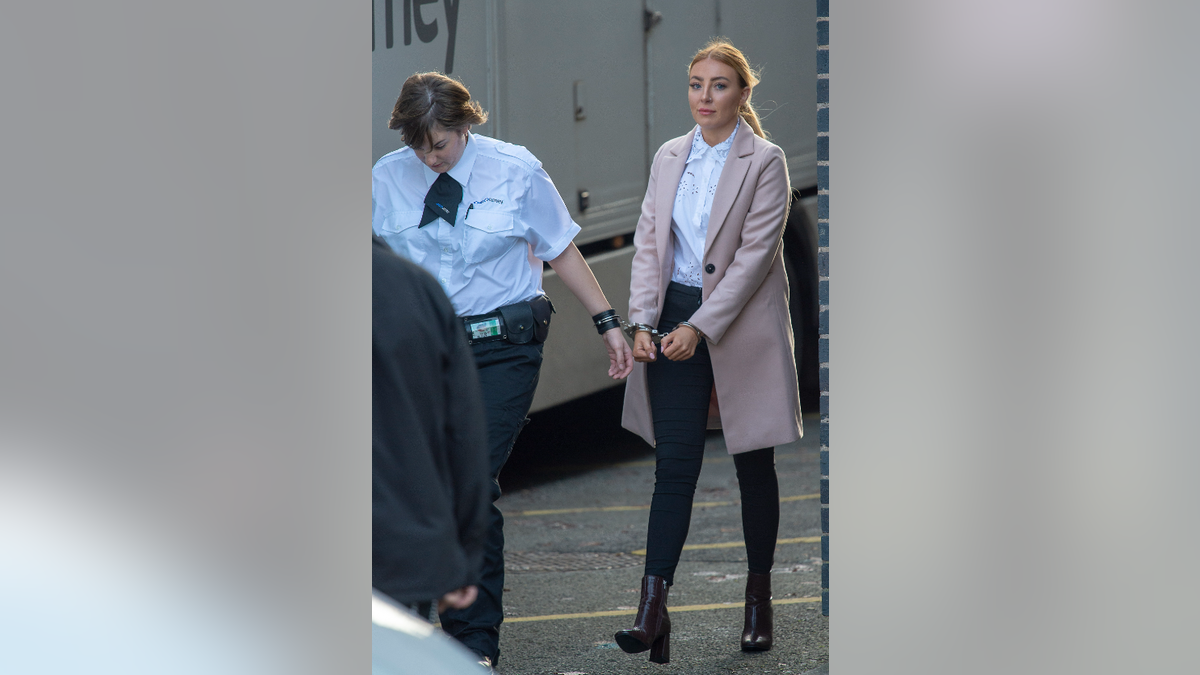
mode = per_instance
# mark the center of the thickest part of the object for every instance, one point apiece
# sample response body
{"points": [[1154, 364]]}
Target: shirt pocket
{"points": [[399, 229], [489, 235]]}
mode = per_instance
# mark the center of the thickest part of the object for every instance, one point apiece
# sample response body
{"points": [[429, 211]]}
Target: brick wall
{"points": [[823, 278]]}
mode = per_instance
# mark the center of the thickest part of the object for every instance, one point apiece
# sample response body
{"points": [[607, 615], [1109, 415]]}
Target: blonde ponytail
{"points": [[749, 114]]}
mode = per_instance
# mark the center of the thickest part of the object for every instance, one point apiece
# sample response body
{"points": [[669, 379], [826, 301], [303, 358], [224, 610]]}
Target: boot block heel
{"points": [[660, 651]]}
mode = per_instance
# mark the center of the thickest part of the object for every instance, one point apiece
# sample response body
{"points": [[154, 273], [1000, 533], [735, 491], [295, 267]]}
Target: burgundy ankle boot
{"points": [[652, 628], [757, 635]]}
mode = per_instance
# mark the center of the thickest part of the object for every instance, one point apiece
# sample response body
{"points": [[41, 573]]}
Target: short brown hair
{"points": [[720, 49], [433, 99]]}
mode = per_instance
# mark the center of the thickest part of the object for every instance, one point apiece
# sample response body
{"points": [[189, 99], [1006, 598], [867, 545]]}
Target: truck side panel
{"points": [[591, 51]]}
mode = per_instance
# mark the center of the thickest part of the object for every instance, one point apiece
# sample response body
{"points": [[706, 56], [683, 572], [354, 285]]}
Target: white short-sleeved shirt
{"points": [[511, 218], [693, 204]]}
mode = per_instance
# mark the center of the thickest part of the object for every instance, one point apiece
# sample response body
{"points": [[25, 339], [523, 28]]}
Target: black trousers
{"points": [[508, 377], [679, 398]]}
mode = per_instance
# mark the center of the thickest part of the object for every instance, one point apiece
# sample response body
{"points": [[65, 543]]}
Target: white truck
{"points": [[593, 88]]}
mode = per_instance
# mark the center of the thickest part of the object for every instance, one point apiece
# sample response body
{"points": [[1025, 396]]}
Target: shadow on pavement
{"points": [[570, 439]]}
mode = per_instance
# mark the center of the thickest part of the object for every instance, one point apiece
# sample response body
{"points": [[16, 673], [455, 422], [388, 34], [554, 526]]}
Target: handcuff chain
{"points": [[631, 329]]}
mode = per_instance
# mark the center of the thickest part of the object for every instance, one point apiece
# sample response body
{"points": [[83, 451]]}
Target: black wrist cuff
{"points": [[606, 321], [606, 314], [608, 324]]}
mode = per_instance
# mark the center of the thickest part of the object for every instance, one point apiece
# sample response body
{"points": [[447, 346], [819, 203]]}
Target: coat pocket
{"points": [[489, 235]]}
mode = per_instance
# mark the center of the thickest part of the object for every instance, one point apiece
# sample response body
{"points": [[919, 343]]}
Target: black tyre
{"points": [[800, 261]]}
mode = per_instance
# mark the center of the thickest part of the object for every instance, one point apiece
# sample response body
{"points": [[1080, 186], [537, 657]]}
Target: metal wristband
{"points": [[632, 329], [699, 334]]}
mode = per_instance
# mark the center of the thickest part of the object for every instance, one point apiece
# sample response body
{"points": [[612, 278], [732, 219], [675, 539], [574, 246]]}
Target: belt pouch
{"points": [[518, 318], [542, 309]]}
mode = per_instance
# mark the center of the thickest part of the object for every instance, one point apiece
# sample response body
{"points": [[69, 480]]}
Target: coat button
{"points": [[710, 268]]}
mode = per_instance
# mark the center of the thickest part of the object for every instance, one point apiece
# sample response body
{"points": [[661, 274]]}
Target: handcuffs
{"points": [[609, 319], [632, 329]]}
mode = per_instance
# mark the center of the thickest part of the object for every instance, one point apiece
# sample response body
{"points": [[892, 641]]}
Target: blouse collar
{"points": [[721, 150]]}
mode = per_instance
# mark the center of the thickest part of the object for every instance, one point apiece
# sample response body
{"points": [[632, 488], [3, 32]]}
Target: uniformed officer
{"points": [[481, 215]]}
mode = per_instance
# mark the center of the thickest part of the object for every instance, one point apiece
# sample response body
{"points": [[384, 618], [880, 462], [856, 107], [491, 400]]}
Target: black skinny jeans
{"points": [[679, 397]]}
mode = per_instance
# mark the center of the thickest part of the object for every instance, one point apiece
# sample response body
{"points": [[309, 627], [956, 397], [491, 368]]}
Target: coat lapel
{"points": [[673, 162], [737, 164]]}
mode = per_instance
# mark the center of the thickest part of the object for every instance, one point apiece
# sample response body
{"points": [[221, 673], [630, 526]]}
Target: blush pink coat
{"points": [[745, 299]]}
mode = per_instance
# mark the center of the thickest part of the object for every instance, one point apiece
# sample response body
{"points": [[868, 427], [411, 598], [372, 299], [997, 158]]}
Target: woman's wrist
{"points": [[635, 329], [699, 334]]}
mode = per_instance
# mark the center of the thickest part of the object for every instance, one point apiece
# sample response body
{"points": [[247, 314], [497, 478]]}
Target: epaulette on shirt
{"points": [[520, 153], [395, 155]]}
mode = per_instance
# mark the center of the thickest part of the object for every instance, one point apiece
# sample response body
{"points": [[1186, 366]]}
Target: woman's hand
{"points": [[680, 344], [644, 350], [620, 358]]}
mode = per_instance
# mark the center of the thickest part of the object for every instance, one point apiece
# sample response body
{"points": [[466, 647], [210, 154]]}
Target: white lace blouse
{"points": [[693, 203]]}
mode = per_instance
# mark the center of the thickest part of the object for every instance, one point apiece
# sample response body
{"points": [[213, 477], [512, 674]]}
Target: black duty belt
{"points": [[519, 323]]}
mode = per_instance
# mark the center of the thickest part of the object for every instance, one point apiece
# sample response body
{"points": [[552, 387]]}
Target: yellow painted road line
{"points": [[643, 507], [736, 544], [799, 497], [631, 612], [800, 540]]}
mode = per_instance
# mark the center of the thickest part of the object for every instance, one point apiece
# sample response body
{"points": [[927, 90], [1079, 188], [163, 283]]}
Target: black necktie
{"points": [[442, 200]]}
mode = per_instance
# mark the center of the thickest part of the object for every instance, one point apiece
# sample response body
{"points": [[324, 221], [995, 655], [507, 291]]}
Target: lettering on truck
{"points": [[413, 19]]}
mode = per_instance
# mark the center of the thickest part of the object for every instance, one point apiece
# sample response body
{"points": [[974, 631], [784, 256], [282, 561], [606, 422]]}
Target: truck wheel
{"points": [[800, 261]]}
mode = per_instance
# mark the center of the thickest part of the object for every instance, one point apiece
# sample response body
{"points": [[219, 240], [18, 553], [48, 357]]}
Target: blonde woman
{"points": [[708, 277]]}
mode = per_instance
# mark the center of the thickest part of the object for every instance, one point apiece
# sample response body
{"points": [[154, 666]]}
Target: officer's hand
{"points": [[620, 357], [644, 350], [680, 344]]}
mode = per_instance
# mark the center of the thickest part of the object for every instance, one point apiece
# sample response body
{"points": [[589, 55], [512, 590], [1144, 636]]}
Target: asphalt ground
{"points": [[577, 495]]}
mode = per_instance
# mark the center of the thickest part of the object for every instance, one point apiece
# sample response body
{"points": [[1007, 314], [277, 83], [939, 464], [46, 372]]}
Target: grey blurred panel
{"points": [[576, 362], [185, 287], [392, 65], [600, 45]]}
